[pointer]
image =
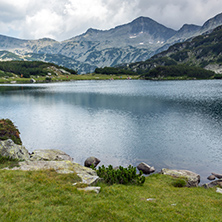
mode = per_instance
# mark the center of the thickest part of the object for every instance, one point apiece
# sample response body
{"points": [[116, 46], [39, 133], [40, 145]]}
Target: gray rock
{"points": [[213, 184], [50, 155], [87, 175], [145, 168], [91, 161], [9, 149], [94, 189], [192, 178], [218, 176], [219, 190], [211, 177]]}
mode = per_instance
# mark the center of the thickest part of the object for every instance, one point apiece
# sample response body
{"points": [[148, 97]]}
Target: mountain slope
{"points": [[203, 51], [132, 42]]}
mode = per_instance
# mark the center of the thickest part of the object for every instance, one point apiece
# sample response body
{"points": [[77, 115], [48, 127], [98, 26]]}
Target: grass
{"points": [[61, 78], [48, 196]]}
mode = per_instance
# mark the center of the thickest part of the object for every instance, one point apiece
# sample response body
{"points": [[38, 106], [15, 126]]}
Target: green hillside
{"points": [[204, 51]]}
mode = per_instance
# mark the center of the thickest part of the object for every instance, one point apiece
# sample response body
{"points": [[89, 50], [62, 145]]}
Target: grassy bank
{"points": [[62, 78], [48, 196]]}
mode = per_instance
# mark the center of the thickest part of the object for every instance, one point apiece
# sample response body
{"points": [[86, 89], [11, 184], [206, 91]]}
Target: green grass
{"points": [[61, 78], [48, 196]]}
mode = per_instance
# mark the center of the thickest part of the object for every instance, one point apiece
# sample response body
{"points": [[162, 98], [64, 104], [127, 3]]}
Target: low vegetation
{"points": [[178, 71], [48, 196], [9, 131], [121, 175]]}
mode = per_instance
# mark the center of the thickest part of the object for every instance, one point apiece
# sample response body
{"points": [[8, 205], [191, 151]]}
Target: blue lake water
{"points": [[173, 124]]}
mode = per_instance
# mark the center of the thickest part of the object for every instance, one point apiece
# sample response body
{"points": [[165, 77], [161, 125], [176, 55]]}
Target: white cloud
{"points": [[63, 19]]}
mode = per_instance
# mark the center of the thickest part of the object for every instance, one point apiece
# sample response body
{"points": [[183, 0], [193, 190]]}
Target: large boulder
{"points": [[9, 149], [49, 155], [145, 168], [191, 178], [91, 161]]}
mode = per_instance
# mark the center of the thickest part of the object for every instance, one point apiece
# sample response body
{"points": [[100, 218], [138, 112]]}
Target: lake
{"points": [[172, 124]]}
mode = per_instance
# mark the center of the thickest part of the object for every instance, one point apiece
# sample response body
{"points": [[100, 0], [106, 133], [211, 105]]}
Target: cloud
{"points": [[63, 19]]}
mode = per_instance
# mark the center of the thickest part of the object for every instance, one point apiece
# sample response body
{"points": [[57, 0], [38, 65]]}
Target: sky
{"points": [[64, 19]]}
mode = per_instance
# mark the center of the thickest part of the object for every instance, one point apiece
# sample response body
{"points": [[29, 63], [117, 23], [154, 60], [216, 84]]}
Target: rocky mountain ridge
{"points": [[132, 42], [204, 51]]}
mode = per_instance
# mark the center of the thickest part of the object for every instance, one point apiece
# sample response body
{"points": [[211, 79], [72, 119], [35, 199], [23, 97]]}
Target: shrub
{"points": [[179, 182], [121, 175], [9, 131]]}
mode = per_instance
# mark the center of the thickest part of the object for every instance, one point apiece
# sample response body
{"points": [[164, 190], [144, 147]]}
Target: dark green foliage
{"points": [[179, 71], [26, 68], [113, 70], [180, 56], [9, 131], [178, 182], [120, 175], [218, 76]]}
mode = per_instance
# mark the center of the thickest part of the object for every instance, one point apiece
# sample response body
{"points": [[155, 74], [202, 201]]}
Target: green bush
{"points": [[121, 175], [179, 182]]}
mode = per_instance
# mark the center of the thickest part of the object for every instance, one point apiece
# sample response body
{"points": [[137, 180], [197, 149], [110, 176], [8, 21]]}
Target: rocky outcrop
{"points": [[91, 161], [192, 178], [9, 149], [49, 155], [87, 175], [145, 168]]}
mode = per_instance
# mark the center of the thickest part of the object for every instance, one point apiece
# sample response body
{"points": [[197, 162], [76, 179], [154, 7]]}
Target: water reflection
{"points": [[167, 124]]}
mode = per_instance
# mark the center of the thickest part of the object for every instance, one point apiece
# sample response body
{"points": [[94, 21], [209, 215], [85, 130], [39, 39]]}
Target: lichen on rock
{"points": [[9, 149]]}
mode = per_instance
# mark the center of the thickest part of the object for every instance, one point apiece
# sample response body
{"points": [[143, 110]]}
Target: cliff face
{"points": [[132, 42]]}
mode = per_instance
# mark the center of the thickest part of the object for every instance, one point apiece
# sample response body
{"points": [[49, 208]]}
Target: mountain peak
{"points": [[212, 23]]}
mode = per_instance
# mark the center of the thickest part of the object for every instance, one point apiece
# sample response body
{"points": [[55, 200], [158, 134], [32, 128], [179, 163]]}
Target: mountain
{"points": [[204, 51], [136, 41]]}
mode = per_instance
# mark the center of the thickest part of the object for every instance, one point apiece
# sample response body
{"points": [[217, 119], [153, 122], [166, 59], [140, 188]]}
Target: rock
{"points": [[213, 184], [94, 189], [211, 177], [218, 176], [219, 190], [145, 168], [9, 149], [87, 175], [49, 155], [192, 178], [91, 161], [32, 81]]}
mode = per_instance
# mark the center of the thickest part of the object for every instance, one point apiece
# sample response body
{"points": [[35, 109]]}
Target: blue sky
{"points": [[63, 19]]}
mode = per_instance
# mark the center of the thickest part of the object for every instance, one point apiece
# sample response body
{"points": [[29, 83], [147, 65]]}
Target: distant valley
{"points": [[133, 42]]}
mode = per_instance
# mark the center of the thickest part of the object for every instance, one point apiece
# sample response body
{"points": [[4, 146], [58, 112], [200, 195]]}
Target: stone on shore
{"points": [[91, 161], [211, 177], [145, 168], [192, 178], [49, 155], [213, 184], [9, 149], [218, 176]]}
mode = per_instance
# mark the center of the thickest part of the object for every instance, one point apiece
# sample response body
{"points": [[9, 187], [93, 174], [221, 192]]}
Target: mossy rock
{"points": [[9, 131]]}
